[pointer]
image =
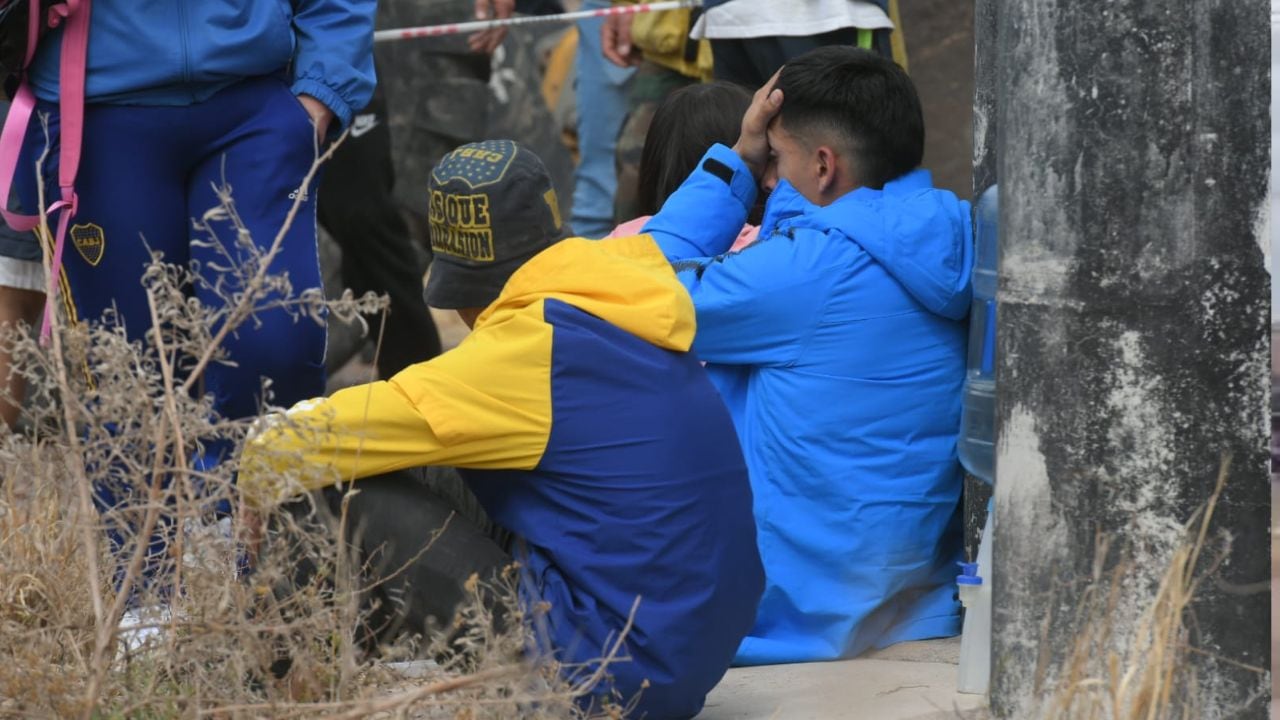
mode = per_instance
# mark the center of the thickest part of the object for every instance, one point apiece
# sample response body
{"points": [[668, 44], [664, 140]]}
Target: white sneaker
{"points": [[142, 629], [413, 669]]}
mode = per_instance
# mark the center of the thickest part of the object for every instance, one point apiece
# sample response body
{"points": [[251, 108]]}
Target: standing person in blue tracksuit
{"points": [[838, 342], [180, 96]]}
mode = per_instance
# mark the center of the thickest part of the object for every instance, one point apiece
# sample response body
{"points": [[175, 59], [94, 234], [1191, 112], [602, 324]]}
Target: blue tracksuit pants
{"points": [[146, 173]]}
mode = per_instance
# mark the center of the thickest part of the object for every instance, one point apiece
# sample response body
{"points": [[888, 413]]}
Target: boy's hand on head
{"points": [[753, 142]]}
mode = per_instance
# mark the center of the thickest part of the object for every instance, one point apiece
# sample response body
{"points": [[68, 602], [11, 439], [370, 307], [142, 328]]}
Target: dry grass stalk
{"points": [[1143, 672]]}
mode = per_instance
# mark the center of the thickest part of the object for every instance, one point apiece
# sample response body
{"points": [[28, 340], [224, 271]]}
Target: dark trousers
{"points": [[750, 62], [420, 535], [358, 209]]}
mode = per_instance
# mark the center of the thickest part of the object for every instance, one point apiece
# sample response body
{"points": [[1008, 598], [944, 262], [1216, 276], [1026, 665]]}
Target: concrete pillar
{"points": [[976, 492], [985, 35], [1132, 157]]}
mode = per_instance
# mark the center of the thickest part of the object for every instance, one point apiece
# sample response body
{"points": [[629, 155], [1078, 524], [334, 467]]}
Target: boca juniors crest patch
{"points": [[90, 241]]}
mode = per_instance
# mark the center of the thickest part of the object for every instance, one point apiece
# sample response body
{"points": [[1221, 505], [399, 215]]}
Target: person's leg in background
{"points": [[22, 286], [359, 211], [601, 96], [21, 302], [18, 305]]}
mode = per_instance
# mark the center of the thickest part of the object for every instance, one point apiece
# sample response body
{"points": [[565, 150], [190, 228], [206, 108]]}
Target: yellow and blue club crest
{"points": [[90, 242], [477, 165]]}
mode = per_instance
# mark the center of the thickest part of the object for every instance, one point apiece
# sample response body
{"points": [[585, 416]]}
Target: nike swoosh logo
{"points": [[363, 124]]}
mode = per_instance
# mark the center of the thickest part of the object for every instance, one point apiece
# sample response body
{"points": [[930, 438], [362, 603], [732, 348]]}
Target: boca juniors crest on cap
{"points": [[90, 242], [477, 164]]}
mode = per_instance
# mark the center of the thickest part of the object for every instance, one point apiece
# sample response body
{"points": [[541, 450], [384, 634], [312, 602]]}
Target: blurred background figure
{"points": [[360, 213], [666, 59], [751, 39], [433, 94], [688, 121], [437, 90], [601, 92]]}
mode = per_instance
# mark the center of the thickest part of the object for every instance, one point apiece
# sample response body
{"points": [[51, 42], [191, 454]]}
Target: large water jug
{"points": [[977, 424]]}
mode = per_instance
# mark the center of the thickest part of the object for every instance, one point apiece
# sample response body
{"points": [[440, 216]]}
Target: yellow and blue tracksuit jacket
{"points": [[583, 425]]}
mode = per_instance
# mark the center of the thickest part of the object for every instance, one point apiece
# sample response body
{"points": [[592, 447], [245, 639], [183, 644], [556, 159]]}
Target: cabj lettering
{"points": [[487, 155]]}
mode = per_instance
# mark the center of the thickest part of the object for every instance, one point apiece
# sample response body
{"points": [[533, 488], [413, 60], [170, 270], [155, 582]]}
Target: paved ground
{"points": [[913, 681]]}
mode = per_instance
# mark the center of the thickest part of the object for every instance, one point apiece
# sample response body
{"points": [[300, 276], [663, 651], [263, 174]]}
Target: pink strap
{"points": [[75, 47], [15, 127], [15, 130], [75, 53]]}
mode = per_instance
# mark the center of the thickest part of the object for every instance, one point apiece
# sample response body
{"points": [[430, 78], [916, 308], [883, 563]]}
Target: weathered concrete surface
{"points": [[976, 492], [1132, 159], [1275, 570], [912, 681]]}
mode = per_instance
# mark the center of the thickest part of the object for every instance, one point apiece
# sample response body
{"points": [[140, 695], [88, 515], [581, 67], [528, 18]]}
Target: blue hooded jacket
{"points": [[179, 52], [838, 342]]}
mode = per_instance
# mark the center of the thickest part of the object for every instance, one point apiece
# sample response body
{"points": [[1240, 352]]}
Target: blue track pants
{"points": [[146, 173]]}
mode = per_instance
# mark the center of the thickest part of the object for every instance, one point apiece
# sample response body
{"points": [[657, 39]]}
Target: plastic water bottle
{"points": [[975, 640], [977, 423]]}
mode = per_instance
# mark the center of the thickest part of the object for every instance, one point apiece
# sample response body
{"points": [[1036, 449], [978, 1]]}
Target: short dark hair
{"points": [[862, 98], [688, 121]]}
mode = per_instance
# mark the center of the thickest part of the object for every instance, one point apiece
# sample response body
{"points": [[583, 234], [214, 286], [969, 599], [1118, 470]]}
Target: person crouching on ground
{"points": [[582, 424], [838, 340]]}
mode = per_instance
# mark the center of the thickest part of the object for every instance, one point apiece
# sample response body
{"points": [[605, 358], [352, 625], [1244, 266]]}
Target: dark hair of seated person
{"points": [[861, 101], [687, 123]]}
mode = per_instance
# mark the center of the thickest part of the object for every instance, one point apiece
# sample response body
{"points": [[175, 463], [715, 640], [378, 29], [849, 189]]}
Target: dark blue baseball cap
{"points": [[491, 208]]}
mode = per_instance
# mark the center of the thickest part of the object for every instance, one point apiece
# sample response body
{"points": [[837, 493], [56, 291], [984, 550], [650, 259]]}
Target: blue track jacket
{"points": [[179, 52], [838, 342]]}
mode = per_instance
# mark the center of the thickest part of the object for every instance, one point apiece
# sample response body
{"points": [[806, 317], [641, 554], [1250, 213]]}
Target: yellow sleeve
{"points": [[485, 404]]}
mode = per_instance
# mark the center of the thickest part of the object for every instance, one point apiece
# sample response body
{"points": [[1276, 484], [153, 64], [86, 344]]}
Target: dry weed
{"points": [[1142, 671]]}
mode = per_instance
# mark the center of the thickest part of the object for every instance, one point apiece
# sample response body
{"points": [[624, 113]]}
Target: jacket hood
{"points": [[624, 281], [921, 235]]}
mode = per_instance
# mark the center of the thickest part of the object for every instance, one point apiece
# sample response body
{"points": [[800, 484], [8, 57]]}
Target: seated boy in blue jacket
{"points": [[838, 343]]}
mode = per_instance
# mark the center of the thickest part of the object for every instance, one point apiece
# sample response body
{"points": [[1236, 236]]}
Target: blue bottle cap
{"points": [[969, 574]]}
